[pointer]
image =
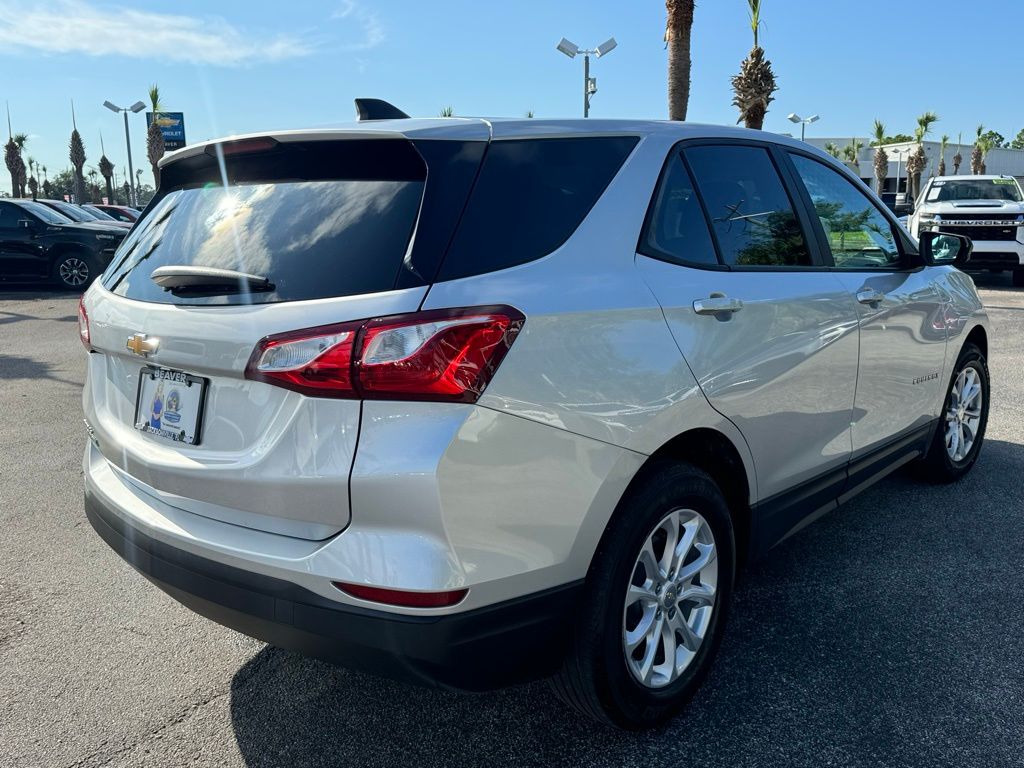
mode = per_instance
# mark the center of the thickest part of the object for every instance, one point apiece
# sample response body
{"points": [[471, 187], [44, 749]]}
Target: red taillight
{"points": [[83, 324], [403, 597], [447, 355]]}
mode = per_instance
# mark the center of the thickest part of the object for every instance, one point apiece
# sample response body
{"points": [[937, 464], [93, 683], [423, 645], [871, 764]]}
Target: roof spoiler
{"points": [[378, 109]]}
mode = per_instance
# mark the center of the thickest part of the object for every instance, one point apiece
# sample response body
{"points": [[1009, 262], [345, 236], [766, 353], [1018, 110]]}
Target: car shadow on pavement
{"points": [[19, 367], [885, 634]]}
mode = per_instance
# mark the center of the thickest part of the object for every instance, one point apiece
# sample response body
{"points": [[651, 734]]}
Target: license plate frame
{"points": [[174, 377]]}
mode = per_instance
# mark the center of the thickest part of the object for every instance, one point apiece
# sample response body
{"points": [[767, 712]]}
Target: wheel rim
{"points": [[670, 598], [73, 271], [963, 415]]}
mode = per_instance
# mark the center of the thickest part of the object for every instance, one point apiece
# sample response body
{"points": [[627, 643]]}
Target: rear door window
{"points": [[676, 229], [753, 218], [530, 196]]}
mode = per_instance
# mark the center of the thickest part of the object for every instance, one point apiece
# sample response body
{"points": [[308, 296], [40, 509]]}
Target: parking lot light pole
{"points": [[137, 107], [803, 121], [570, 49]]}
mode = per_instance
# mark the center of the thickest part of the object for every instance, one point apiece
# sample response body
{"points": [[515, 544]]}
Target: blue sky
{"points": [[237, 66]]}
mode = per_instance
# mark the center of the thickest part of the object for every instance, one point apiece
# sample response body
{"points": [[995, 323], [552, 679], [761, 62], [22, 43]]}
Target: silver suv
{"points": [[470, 402]]}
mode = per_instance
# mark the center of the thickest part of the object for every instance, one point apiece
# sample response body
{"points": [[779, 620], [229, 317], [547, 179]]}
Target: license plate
{"points": [[170, 404]]}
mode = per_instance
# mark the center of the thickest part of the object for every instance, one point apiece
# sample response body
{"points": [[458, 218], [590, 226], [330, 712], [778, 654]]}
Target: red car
{"points": [[119, 212]]}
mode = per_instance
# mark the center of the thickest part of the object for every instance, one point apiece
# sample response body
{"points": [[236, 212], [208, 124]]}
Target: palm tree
{"points": [[448, 111], [154, 136], [107, 169], [851, 153], [529, 113], [881, 157], [985, 143], [11, 159], [917, 160], [678, 25], [20, 139], [76, 153], [755, 83], [976, 155], [833, 149], [957, 158], [943, 143], [33, 183]]}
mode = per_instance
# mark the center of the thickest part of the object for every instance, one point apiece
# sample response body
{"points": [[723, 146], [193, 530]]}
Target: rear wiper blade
{"points": [[191, 279]]}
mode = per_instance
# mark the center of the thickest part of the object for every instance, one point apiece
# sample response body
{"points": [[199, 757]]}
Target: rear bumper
{"points": [[482, 649]]}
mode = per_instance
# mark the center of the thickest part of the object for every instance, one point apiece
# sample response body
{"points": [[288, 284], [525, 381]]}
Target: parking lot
{"points": [[888, 634]]}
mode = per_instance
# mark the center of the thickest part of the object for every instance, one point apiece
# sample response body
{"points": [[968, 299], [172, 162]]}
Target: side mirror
{"points": [[939, 248]]}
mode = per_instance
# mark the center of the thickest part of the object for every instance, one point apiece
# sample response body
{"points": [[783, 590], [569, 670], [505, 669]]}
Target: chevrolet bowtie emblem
{"points": [[140, 345]]}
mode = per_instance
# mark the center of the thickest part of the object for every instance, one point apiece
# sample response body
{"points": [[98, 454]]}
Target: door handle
{"points": [[717, 304], [869, 296]]}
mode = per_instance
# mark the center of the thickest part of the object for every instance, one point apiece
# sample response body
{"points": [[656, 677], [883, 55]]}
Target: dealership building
{"points": [[998, 161]]}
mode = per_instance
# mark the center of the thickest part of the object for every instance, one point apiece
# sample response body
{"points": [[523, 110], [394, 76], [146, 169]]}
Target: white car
{"points": [[987, 209], [469, 402]]}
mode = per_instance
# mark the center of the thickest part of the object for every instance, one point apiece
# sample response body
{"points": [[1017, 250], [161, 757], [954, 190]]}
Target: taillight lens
{"points": [[83, 324], [447, 355], [317, 361]]}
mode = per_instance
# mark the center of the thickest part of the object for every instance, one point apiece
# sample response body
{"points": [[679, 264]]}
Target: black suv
{"points": [[39, 244]]}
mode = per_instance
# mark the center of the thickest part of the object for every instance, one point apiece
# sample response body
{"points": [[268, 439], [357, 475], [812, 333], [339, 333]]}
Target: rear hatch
{"points": [[328, 230]]}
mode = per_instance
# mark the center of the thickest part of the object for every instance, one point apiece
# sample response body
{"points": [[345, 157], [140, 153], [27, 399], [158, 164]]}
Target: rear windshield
{"points": [[311, 239]]}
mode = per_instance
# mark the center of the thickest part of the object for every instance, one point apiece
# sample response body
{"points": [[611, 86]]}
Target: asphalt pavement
{"points": [[887, 634]]}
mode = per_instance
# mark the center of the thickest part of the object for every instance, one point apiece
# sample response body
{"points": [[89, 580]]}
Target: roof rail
{"points": [[378, 109]]}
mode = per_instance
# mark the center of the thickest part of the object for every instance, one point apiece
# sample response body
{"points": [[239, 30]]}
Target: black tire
{"points": [[75, 271], [938, 466], [595, 679], [1018, 278]]}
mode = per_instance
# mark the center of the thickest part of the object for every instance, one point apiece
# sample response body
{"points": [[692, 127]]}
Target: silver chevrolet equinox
{"points": [[470, 402]]}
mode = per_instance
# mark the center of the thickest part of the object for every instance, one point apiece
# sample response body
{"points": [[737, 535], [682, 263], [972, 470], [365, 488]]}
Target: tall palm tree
{"points": [[754, 85], [154, 137], [20, 140], [957, 158], [977, 160], [448, 111], [833, 149], [881, 157], [943, 143], [76, 153], [678, 25], [917, 160]]}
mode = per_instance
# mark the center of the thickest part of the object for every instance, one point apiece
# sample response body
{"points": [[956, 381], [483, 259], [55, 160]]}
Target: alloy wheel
{"points": [[670, 598], [73, 271], [963, 414]]}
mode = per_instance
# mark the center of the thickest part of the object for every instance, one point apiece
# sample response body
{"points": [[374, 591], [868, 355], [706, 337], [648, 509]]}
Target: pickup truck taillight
{"points": [[442, 355]]}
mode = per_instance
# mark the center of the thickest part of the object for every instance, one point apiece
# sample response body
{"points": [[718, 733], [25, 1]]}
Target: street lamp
{"points": [[137, 107], [570, 49], [900, 155], [803, 121]]}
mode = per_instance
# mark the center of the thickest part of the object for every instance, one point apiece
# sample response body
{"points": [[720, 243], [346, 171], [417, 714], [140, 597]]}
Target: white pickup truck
{"points": [[988, 209]]}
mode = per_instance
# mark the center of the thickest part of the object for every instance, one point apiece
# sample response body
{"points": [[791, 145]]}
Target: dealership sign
{"points": [[172, 126]]}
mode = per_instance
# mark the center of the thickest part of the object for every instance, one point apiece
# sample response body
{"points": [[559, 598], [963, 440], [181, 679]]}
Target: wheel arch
{"points": [[979, 337], [712, 451]]}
